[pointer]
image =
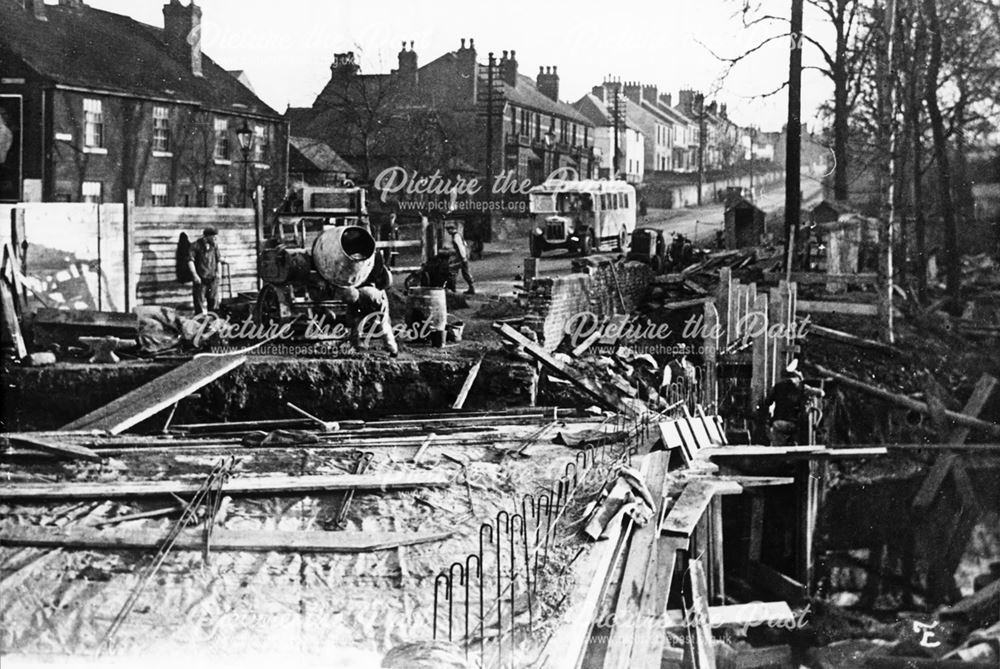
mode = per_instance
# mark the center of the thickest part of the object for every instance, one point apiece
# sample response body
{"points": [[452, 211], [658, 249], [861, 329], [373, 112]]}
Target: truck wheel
{"points": [[535, 246], [657, 265], [584, 245], [622, 241]]}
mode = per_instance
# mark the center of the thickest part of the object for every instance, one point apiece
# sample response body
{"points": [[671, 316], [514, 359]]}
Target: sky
{"points": [[286, 47]]}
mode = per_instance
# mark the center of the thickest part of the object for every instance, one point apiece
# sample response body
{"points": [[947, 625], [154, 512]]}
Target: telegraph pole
{"points": [[702, 140], [616, 114], [793, 144], [491, 68]]}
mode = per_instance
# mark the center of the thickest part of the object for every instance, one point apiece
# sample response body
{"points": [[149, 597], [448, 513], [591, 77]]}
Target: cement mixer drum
{"points": [[344, 256]]}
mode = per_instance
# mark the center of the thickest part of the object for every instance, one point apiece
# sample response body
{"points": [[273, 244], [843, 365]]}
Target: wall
{"points": [[553, 301], [674, 197]]}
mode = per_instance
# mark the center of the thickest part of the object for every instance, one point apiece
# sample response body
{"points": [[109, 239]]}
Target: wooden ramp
{"points": [[148, 400]]}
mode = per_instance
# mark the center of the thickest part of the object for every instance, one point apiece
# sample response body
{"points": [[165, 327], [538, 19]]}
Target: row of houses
{"points": [[81, 121], [458, 113]]}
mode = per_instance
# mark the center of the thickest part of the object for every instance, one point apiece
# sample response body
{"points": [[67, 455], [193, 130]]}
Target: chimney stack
{"points": [[182, 30], [548, 82], [667, 99], [408, 65], [633, 91], [468, 70], [508, 68]]}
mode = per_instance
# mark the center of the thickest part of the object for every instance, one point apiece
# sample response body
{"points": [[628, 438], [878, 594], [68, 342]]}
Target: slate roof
{"points": [[90, 48], [526, 94], [594, 109], [308, 155]]}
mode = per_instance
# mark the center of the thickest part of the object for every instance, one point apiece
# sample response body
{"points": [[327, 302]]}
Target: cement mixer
{"points": [[312, 262]]}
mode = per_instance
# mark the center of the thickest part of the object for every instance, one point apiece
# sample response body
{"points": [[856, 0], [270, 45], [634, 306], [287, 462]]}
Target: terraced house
{"points": [[99, 103], [455, 114]]}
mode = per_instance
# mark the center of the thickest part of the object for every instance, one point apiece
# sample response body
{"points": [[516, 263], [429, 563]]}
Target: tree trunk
{"points": [[954, 274], [840, 110]]}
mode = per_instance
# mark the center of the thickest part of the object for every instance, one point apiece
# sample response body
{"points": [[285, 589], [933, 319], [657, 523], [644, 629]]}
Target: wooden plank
{"points": [[767, 656], [710, 353], [568, 645], [846, 338], [670, 435], [470, 379], [739, 615], [845, 308], [702, 651], [638, 577], [557, 367], [758, 325], [648, 645], [239, 486], [28, 570], [909, 403], [160, 393], [222, 540], [686, 304], [942, 466], [812, 278], [687, 511], [711, 426], [65, 450], [722, 298], [11, 325], [690, 448], [697, 427]]}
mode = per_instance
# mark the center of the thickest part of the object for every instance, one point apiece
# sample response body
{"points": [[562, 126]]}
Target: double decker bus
{"points": [[581, 216]]}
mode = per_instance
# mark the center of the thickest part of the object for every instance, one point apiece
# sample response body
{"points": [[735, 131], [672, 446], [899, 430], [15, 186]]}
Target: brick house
{"points": [[434, 117], [633, 144], [104, 103]]}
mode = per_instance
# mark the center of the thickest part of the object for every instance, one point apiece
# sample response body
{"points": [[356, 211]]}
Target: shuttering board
{"points": [[94, 234], [151, 398], [258, 485], [222, 540]]}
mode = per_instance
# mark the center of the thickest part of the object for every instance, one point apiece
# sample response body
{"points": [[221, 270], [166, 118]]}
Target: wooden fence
{"points": [[112, 257], [741, 319]]}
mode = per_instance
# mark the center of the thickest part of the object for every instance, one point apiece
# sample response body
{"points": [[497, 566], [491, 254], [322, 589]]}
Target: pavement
{"points": [[499, 271]]}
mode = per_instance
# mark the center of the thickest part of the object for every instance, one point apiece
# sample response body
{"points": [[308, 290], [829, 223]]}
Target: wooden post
{"points": [[712, 333], [809, 484], [733, 312], [758, 325], [128, 237], [258, 216], [722, 301], [702, 651], [718, 571]]}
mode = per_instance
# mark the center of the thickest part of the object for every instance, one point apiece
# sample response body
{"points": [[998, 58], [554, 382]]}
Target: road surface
{"points": [[499, 272]]}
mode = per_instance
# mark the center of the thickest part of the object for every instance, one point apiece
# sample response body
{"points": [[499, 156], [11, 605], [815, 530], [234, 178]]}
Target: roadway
{"points": [[503, 262]]}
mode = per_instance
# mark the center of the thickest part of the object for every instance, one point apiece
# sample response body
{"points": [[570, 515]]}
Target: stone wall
{"points": [[553, 300]]}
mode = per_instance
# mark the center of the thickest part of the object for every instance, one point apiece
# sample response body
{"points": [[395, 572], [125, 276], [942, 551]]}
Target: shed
{"points": [[851, 246], [828, 211], [744, 223]]}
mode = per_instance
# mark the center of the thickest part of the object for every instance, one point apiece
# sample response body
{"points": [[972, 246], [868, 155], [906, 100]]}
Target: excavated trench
{"points": [[46, 398]]}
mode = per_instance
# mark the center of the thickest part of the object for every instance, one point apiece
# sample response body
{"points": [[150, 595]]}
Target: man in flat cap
{"points": [[204, 264]]}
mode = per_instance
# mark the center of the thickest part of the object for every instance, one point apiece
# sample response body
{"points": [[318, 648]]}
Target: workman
{"points": [[205, 264], [786, 405], [370, 302], [461, 259]]}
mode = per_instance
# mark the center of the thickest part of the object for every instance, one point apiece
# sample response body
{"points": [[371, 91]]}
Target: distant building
{"points": [[434, 117], [601, 108], [313, 163], [100, 103]]}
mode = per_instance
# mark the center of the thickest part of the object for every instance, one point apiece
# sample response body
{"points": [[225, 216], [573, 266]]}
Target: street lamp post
{"points": [[245, 137]]}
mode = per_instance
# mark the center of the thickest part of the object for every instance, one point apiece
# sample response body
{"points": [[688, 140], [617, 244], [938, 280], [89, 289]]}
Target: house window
{"points": [[513, 121], [159, 195], [562, 130], [93, 124], [538, 126], [161, 129], [221, 195], [525, 122], [221, 151], [576, 129], [91, 191], [260, 145]]}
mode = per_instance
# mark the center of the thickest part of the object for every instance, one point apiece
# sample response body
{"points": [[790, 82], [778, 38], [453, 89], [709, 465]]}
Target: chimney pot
{"points": [[463, 42], [182, 32], [472, 43]]}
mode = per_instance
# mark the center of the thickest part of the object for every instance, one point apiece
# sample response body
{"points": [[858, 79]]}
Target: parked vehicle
{"points": [[648, 246], [581, 216]]}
